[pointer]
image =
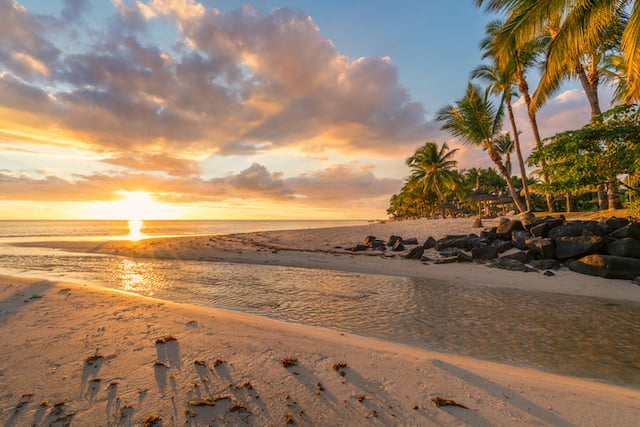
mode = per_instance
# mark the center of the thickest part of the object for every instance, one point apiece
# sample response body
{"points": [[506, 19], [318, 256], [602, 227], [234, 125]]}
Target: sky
{"points": [[216, 109]]}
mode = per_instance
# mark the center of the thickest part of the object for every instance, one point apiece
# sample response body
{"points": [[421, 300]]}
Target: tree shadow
{"points": [[500, 392], [169, 352]]}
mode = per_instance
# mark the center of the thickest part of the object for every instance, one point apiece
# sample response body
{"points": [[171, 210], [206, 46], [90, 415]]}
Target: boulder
{"points": [[570, 229], [429, 243], [504, 230], [522, 256], [448, 260], [592, 228], [489, 233], [519, 238], [415, 253], [626, 247], [448, 241], [484, 253], [378, 245], [543, 246], [503, 245], [393, 239], [398, 246], [410, 241], [541, 230], [545, 264], [612, 224], [609, 266], [369, 240], [449, 252], [509, 264], [358, 248], [629, 230], [463, 257], [577, 247]]}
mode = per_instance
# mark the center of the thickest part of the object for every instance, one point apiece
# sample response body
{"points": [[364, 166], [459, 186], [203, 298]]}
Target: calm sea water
{"points": [[579, 336]]}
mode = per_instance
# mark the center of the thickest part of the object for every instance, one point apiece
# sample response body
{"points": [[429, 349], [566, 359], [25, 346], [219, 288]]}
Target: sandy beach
{"points": [[80, 355]]}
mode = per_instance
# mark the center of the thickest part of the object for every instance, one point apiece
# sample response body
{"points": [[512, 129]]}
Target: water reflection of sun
{"points": [[135, 229]]}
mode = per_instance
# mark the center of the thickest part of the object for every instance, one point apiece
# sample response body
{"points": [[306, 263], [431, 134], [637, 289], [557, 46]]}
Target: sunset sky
{"points": [[219, 109]]}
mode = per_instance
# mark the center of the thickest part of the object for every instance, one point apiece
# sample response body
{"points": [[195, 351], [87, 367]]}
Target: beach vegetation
{"points": [[218, 362], [166, 339], [476, 120], [339, 365], [601, 152]]}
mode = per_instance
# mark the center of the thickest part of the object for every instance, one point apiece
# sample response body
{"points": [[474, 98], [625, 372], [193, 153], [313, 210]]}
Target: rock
{"points": [[526, 215], [504, 231], [626, 247], [613, 223], [448, 260], [545, 264], [540, 230], [522, 256], [509, 264], [415, 253], [549, 273], [429, 243], [503, 245], [519, 238], [484, 253], [636, 281], [448, 241], [629, 230], [393, 239], [489, 233], [463, 257], [570, 229], [398, 246], [609, 266], [577, 247], [369, 240], [448, 252], [543, 246], [410, 241], [378, 245], [592, 228], [358, 248]]}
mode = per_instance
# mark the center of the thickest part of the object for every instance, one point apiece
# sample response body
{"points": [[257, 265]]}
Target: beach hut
{"points": [[480, 196]]}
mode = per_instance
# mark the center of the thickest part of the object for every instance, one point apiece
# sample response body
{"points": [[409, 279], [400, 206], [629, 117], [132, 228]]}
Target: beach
{"points": [[75, 354]]}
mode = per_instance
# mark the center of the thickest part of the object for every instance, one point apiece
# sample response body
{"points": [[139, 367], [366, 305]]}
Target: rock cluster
{"points": [[609, 248]]}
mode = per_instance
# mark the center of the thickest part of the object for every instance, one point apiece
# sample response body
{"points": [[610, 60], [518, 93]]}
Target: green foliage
{"points": [[579, 160], [634, 208]]}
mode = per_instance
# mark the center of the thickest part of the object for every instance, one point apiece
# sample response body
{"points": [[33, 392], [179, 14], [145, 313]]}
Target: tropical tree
{"points": [[501, 82], [433, 168], [581, 27], [519, 60], [477, 121], [601, 151]]}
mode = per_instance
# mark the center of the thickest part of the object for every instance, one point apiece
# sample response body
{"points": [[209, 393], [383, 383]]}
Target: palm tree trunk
{"points": [[495, 158], [567, 198], [590, 87], [614, 195], [516, 142], [602, 197], [523, 86]]}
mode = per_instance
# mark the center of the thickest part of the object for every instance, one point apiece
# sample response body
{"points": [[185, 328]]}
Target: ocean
{"points": [[570, 335]]}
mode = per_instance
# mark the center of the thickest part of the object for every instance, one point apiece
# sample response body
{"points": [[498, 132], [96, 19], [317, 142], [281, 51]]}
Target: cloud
{"points": [[237, 82]]}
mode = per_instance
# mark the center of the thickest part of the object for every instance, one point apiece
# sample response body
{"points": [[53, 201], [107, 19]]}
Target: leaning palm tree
{"points": [[501, 83], [433, 168], [583, 26], [477, 121], [520, 59], [504, 145]]}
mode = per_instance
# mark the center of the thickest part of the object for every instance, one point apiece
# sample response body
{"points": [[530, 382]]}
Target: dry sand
{"points": [[51, 330], [48, 332]]}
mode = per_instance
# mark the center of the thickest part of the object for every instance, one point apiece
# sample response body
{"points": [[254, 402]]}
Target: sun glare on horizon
{"points": [[133, 206]]}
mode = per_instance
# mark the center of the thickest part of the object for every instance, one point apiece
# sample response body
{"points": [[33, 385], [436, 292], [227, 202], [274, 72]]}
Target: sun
{"points": [[133, 206]]}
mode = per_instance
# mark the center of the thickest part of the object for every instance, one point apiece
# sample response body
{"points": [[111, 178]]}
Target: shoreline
{"points": [[317, 248], [50, 329]]}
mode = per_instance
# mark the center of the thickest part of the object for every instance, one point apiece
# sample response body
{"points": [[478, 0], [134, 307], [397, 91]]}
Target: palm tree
{"points": [[501, 83], [433, 168], [477, 121], [504, 146], [516, 64], [581, 28]]}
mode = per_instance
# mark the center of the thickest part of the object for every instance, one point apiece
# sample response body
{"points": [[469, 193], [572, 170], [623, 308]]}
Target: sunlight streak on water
{"points": [[135, 229]]}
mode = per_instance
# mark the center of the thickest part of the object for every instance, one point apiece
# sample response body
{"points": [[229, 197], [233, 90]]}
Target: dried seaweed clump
{"points": [[166, 339], [288, 362], [151, 420]]}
